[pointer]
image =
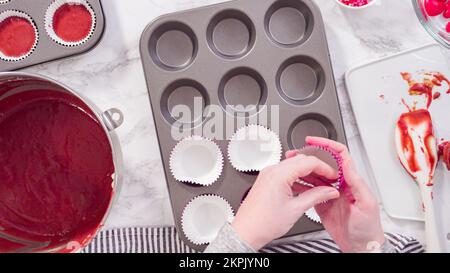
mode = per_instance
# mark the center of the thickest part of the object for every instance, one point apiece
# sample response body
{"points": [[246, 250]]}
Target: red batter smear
{"points": [[426, 87], [17, 37], [407, 123], [72, 22], [355, 3], [56, 171]]}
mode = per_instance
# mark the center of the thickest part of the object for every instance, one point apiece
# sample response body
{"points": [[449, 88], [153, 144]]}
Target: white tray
{"points": [[377, 117]]}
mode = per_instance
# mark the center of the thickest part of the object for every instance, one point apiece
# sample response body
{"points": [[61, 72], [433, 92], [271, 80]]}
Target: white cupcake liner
{"points": [[49, 14], [204, 216], [4, 1], [253, 148], [187, 164], [15, 13], [312, 215]]}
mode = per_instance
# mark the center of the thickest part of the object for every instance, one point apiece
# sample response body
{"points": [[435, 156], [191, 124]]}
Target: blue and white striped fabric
{"points": [[166, 240]]}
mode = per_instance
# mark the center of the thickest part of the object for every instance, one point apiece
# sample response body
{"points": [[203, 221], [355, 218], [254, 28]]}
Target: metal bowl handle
{"points": [[113, 118]]}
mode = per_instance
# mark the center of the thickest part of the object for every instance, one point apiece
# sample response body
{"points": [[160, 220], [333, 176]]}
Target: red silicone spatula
{"points": [[417, 151]]}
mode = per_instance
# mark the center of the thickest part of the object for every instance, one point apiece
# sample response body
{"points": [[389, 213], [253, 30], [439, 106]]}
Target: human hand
{"points": [[353, 219], [272, 207]]}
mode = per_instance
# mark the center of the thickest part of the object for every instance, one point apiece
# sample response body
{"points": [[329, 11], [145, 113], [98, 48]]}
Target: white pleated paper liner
{"points": [[15, 13], [196, 160], [331, 158], [313, 216], [253, 148], [203, 218], [49, 15]]}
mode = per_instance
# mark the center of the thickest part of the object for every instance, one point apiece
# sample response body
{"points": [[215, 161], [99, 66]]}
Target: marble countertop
{"points": [[111, 75]]}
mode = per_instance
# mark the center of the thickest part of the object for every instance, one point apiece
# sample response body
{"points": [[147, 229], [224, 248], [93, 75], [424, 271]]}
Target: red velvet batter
{"points": [[56, 171], [417, 119], [17, 36], [72, 22]]}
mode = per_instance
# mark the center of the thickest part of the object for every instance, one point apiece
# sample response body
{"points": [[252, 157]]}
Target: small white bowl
{"points": [[371, 3]]}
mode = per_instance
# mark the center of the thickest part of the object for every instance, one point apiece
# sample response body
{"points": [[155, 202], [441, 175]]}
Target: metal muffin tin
{"points": [[47, 49], [274, 49]]}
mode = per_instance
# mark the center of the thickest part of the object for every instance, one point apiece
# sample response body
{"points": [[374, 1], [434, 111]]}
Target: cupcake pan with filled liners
{"points": [[47, 49], [274, 50]]}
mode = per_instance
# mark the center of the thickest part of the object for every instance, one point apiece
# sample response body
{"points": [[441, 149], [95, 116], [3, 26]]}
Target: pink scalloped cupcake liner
{"points": [[340, 182]]}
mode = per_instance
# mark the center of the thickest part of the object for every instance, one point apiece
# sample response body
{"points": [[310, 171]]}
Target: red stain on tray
{"points": [[425, 88], [72, 22], [17, 36], [56, 171]]}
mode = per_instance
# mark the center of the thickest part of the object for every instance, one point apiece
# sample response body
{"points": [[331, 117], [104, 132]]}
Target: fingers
{"points": [[314, 197], [355, 183], [359, 189], [290, 154], [338, 147], [300, 166]]}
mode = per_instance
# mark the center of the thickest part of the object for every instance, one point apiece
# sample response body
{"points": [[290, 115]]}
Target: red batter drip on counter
{"points": [[417, 119], [17, 36], [56, 171], [355, 3], [72, 22]]}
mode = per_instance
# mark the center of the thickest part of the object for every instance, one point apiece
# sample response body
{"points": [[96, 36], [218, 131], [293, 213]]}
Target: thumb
{"points": [[315, 196]]}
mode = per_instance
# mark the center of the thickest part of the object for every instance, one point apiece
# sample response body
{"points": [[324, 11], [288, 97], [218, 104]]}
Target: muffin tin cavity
{"points": [[310, 125], [300, 80], [84, 18], [184, 94], [173, 46], [255, 64], [289, 22], [242, 89], [231, 34]]}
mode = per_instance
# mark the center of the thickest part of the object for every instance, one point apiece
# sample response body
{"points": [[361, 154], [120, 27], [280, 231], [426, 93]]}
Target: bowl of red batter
{"points": [[59, 165]]}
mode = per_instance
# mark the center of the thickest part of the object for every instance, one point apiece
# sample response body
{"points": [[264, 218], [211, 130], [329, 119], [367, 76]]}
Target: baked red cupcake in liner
{"points": [[18, 35], [70, 22], [328, 156]]}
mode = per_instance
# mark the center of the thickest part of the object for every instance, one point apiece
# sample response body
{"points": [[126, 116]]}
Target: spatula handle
{"points": [[431, 227]]}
